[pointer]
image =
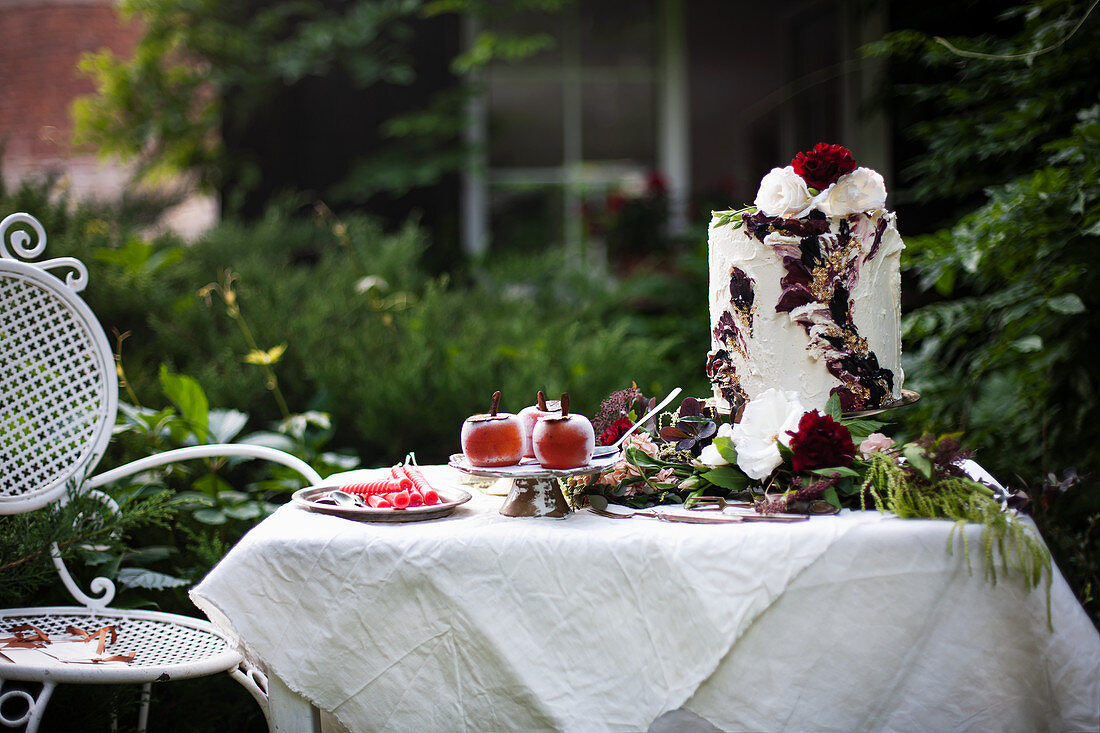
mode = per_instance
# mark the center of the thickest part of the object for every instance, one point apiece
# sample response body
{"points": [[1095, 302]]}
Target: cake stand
{"points": [[534, 491], [908, 397]]}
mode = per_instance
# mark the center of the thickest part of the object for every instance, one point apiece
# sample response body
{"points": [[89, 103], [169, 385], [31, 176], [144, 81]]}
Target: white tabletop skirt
{"points": [[483, 622]]}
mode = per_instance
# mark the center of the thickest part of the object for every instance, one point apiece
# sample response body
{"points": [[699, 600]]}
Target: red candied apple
{"points": [[564, 441], [492, 440], [530, 415]]}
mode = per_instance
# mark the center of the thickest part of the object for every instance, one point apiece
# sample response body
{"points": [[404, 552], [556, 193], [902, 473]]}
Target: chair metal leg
{"points": [[143, 711], [36, 706]]}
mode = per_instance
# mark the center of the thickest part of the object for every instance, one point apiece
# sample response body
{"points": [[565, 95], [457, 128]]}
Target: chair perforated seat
{"points": [[165, 646]]}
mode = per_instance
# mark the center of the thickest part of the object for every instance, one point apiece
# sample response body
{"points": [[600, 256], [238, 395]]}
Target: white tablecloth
{"points": [[483, 622]]}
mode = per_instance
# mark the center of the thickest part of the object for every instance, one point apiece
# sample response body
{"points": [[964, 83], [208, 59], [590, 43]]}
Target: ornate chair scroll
{"points": [[58, 399]]}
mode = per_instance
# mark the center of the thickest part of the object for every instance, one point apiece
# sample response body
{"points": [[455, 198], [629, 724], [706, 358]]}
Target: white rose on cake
{"points": [[784, 193], [861, 190], [764, 424]]}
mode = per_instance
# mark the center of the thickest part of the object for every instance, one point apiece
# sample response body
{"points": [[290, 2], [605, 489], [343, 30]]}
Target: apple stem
{"points": [[496, 403], [565, 404], [542, 400]]}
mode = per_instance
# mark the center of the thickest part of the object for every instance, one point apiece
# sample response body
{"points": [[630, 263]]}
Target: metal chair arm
{"points": [[207, 451]]}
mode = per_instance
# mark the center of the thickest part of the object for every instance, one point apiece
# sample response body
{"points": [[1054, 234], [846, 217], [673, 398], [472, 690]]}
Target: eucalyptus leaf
{"points": [[597, 501]]}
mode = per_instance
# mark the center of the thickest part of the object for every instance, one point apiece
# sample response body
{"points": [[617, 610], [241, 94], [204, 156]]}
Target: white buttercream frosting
{"points": [[777, 351]]}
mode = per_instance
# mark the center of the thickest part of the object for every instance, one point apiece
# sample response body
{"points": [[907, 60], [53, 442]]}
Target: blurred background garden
{"points": [[336, 227]]}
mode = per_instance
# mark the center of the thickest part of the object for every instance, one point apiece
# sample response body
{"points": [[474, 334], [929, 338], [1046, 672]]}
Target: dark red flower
{"points": [[820, 442], [824, 164], [615, 202], [614, 431]]}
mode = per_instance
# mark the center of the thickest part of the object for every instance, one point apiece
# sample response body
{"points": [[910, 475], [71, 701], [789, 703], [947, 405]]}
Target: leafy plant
{"points": [[1009, 128], [204, 76]]}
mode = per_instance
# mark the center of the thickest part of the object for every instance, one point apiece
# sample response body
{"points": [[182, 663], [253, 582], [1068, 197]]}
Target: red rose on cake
{"points": [[820, 442], [822, 166]]}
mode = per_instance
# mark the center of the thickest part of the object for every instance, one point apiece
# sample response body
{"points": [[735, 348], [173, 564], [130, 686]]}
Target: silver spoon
{"points": [[607, 450], [343, 498]]}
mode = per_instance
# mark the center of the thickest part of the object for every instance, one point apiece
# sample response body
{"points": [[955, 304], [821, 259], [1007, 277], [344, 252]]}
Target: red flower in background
{"points": [[615, 202], [824, 164], [655, 184], [614, 431], [820, 442]]}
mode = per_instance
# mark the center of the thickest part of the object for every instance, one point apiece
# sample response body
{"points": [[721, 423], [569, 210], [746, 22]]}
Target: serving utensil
{"points": [[699, 518], [607, 450]]}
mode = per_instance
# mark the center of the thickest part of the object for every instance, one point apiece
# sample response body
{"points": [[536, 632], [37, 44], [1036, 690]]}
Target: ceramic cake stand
{"points": [[534, 491]]}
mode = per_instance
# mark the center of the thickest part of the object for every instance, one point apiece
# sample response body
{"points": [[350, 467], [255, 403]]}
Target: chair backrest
{"points": [[58, 385]]}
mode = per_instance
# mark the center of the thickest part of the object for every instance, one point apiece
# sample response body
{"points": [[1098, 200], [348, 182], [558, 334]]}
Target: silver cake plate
{"points": [[908, 397]]}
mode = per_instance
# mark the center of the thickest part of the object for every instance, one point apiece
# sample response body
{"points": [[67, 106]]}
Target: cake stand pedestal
{"points": [[533, 491]]}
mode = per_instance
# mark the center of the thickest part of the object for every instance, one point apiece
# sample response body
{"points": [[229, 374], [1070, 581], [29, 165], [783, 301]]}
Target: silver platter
{"points": [[449, 500]]}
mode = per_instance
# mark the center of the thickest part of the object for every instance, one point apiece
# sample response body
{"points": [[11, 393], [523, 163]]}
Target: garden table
{"points": [[482, 622]]}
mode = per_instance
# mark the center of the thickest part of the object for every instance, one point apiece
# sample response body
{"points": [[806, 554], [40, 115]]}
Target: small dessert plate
{"points": [[449, 500]]}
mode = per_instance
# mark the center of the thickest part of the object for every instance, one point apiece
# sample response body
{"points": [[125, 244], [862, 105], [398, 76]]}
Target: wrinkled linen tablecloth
{"points": [[483, 622]]}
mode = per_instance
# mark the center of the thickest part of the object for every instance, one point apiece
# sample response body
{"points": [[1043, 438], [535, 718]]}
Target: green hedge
{"points": [[399, 357]]}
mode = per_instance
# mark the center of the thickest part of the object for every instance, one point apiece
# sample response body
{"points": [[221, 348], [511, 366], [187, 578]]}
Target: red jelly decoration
{"points": [[378, 502], [369, 488], [418, 479], [400, 500]]}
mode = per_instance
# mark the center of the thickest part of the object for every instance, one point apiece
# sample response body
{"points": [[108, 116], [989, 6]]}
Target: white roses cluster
{"points": [[784, 193]]}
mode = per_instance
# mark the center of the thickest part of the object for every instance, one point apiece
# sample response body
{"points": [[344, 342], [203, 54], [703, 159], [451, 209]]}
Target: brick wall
{"points": [[41, 42]]}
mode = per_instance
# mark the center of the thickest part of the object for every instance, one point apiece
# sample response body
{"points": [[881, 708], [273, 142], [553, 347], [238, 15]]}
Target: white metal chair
{"points": [[58, 400]]}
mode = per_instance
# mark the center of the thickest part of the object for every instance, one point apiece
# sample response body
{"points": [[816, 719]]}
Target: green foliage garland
{"points": [[892, 488]]}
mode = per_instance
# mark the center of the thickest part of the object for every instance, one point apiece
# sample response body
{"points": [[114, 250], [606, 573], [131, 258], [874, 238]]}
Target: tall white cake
{"points": [[805, 288]]}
